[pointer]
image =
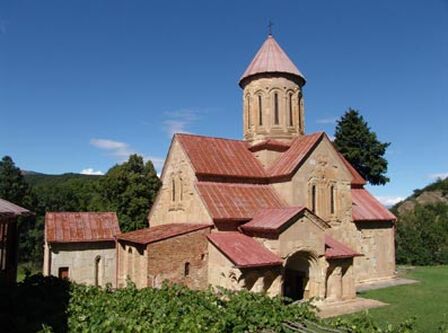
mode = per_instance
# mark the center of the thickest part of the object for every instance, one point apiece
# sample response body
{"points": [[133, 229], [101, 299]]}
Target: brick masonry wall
{"points": [[167, 260]]}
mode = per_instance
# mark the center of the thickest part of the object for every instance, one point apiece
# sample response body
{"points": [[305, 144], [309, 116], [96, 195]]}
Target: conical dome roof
{"points": [[271, 59]]}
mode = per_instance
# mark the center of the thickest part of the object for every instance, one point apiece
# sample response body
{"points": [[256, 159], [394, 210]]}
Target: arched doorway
{"points": [[297, 275]]}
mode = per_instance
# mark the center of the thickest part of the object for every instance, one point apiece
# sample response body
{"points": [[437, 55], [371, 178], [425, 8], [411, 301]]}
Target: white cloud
{"points": [[388, 200], [441, 175], [178, 121], [91, 171], [121, 151], [329, 120]]}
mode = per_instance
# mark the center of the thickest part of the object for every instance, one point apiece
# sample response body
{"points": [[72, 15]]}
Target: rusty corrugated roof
{"points": [[10, 209], [337, 250], [227, 201], [271, 58], [65, 227], [215, 157], [291, 160], [271, 219], [366, 208], [160, 232], [243, 251]]}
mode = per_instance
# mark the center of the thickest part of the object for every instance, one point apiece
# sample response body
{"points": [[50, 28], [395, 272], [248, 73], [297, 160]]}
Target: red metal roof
{"points": [[227, 201], [271, 219], [357, 180], [290, 160], [221, 157], [10, 209], [366, 208], [243, 251], [337, 250], [160, 232], [65, 227], [271, 58]]}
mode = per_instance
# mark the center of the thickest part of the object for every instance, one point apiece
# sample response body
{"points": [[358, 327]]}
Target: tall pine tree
{"points": [[12, 184], [361, 147]]}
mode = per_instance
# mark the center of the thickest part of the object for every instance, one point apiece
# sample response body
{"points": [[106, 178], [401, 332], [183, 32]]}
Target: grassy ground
{"points": [[427, 300]]}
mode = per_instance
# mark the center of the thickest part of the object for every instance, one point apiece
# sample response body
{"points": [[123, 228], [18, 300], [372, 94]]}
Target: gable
{"points": [[306, 233], [190, 209]]}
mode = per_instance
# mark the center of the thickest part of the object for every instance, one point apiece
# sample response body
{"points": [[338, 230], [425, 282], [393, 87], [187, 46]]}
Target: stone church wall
{"points": [[185, 206], [222, 273], [81, 259], [183, 259], [324, 169], [377, 242]]}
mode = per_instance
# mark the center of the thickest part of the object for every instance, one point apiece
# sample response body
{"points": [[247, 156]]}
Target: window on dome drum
{"points": [[313, 198], [290, 110], [248, 112], [332, 197], [276, 120], [260, 111], [300, 109], [187, 269]]}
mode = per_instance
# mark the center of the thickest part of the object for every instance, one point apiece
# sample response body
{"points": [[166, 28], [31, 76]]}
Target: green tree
{"points": [[12, 184], [361, 147], [129, 189]]}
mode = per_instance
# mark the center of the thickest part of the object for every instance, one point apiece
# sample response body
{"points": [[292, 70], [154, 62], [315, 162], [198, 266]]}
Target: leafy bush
{"points": [[48, 304], [422, 236]]}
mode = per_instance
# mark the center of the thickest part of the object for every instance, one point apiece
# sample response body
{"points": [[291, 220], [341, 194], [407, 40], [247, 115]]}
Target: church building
{"points": [[280, 211]]}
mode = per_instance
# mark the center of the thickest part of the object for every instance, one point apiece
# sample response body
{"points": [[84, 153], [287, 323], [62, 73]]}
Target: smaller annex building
{"points": [[81, 246], [174, 252], [9, 239]]}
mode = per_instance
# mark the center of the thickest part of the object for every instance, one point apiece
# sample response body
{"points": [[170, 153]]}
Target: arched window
{"points": [[291, 123], [332, 199], [181, 189], [313, 198], [130, 268], [187, 269], [276, 116], [299, 119], [97, 270], [248, 112], [260, 111], [173, 190]]}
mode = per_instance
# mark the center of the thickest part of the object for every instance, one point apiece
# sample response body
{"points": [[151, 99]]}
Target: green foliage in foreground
{"points": [[53, 305]]}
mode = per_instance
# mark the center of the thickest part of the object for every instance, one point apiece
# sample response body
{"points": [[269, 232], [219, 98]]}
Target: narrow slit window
{"points": [[181, 189], [290, 110], [260, 111], [332, 198], [276, 117], [248, 112], [313, 198], [187, 269], [299, 121], [173, 190]]}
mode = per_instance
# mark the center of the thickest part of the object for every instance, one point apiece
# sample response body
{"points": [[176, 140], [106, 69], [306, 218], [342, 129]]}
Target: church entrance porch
{"points": [[298, 274]]}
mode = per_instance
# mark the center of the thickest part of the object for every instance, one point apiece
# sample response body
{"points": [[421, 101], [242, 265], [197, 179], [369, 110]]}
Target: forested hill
{"points": [[422, 226], [37, 179], [432, 194]]}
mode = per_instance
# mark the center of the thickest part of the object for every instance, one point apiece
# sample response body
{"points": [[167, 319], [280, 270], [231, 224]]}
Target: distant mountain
{"points": [[37, 179], [434, 193]]}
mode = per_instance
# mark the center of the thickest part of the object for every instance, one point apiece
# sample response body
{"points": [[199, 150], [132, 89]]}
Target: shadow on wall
{"points": [[36, 302]]}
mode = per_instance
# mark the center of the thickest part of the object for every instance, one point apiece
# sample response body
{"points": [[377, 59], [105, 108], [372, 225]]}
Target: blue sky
{"points": [[84, 83]]}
